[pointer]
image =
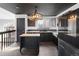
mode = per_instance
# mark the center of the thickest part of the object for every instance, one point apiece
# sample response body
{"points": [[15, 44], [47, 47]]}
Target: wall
{"points": [[6, 18], [47, 24], [72, 26]]}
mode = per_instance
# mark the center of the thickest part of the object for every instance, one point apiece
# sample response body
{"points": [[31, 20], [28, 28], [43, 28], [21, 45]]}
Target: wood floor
{"points": [[46, 49]]}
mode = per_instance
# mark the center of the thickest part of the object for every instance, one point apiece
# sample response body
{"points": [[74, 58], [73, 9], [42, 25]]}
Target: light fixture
{"points": [[35, 15], [72, 15]]}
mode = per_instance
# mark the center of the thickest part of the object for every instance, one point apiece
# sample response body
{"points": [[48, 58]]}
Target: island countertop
{"points": [[30, 34]]}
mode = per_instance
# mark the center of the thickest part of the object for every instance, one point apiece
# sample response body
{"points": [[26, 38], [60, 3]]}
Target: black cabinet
{"points": [[64, 22], [68, 45], [30, 43], [46, 37], [77, 26]]}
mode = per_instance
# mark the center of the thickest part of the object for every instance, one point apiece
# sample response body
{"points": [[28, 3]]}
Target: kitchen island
{"points": [[32, 40]]}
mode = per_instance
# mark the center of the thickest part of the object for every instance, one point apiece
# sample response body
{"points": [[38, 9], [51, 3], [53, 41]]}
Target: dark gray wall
{"points": [[20, 27]]}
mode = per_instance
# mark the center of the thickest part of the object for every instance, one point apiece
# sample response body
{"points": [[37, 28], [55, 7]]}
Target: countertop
{"points": [[37, 33], [29, 35], [74, 35]]}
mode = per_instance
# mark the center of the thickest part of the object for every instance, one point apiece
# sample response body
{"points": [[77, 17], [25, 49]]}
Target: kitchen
{"points": [[50, 26]]}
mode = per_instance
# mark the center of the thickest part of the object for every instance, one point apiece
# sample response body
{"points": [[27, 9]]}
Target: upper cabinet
{"points": [[64, 22]]}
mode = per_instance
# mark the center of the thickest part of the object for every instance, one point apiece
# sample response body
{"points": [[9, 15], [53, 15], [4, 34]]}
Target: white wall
{"points": [[50, 21], [6, 18], [46, 23], [72, 26]]}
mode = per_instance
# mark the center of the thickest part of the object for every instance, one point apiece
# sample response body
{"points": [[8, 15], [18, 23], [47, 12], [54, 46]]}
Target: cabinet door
{"points": [[64, 22], [77, 26], [30, 42]]}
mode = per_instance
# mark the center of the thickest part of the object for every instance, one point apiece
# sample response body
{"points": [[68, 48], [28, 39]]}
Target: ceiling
{"points": [[43, 8]]}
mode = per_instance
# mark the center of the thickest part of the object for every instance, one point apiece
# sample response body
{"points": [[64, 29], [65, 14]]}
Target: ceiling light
{"points": [[35, 15], [72, 15], [17, 7]]}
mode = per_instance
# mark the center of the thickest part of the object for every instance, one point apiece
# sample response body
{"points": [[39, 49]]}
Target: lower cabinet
{"points": [[65, 49], [46, 37], [30, 43]]}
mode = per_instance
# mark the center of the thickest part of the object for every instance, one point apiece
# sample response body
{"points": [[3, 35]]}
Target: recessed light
{"points": [[17, 7]]}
